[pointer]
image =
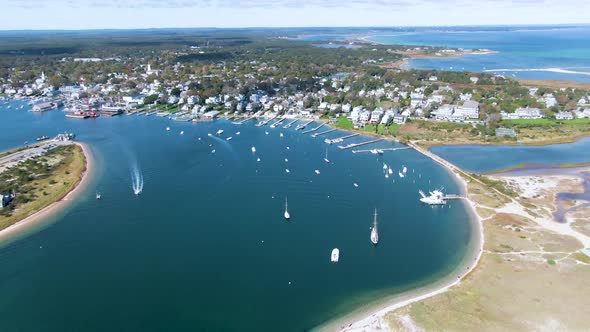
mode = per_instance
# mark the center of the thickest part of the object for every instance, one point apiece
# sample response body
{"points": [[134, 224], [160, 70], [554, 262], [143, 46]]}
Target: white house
{"points": [[444, 112], [564, 116], [523, 113], [469, 110]]}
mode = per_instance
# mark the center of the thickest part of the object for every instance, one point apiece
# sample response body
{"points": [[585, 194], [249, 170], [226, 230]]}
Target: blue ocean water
{"points": [[552, 53], [481, 159], [205, 246]]}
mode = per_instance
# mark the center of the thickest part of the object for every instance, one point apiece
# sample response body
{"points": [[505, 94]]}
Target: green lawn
{"points": [[344, 123], [545, 122]]}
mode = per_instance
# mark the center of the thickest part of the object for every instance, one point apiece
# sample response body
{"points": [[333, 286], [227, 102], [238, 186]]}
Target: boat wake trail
{"points": [[136, 179]]}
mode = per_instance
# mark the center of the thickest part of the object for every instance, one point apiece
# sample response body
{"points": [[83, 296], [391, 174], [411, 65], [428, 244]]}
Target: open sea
{"points": [[204, 247], [535, 52]]}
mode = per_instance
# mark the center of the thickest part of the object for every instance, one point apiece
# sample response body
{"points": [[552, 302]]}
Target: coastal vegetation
{"points": [[537, 266], [39, 182]]}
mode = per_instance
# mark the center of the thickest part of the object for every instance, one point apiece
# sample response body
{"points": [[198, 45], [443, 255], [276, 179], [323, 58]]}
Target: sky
{"points": [[134, 14]]}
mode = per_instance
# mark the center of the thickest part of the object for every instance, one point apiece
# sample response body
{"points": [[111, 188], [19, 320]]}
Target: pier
{"points": [[446, 197], [274, 125], [354, 145], [339, 139], [288, 125], [303, 125], [243, 120], [381, 150], [314, 129], [323, 132]]}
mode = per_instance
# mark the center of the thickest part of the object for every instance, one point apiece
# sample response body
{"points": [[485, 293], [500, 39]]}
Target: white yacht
{"points": [[228, 139], [374, 232], [237, 133], [167, 128], [182, 132], [287, 170], [401, 175], [317, 172], [253, 149], [404, 170], [98, 196], [335, 255], [287, 215], [436, 197], [219, 132]]}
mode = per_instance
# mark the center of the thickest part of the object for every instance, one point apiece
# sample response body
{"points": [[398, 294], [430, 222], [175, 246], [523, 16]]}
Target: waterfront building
{"points": [[564, 116]]}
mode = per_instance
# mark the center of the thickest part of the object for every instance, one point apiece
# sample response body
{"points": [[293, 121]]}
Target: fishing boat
{"points": [[335, 256], [374, 232], [326, 156], [286, 214]]}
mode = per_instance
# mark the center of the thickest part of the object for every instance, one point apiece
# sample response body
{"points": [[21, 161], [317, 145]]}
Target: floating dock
{"points": [[314, 129], [288, 125], [323, 132], [354, 145], [453, 197], [381, 150], [339, 139]]}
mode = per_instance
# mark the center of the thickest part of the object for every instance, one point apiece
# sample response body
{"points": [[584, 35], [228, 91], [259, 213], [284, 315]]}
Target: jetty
{"points": [[354, 145], [339, 139], [288, 125], [446, 197], [303, 125], [324, 132], [314, 129], [381, 150]]}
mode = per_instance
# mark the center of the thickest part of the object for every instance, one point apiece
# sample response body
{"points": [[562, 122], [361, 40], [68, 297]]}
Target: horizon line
{"points": [[304, 27]]}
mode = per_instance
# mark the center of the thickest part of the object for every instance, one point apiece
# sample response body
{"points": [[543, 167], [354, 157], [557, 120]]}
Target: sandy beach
{"points": [[42, 215], [371, 317]]}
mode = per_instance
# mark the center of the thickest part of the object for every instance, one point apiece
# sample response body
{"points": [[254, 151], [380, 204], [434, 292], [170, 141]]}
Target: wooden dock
{"points": [[288, 125], [243, 120], [314, 129], [323, 132], [354, 145], [303, 125], [339, 139], [381, 150]]}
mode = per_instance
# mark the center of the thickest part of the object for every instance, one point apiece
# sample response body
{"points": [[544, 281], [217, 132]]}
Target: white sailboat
{"points": [[374, 231], [286, 214], [326, 156]]}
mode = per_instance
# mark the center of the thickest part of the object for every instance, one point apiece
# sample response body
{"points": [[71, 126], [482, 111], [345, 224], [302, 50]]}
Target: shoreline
{"points": [[361, 319], [52, 209]]}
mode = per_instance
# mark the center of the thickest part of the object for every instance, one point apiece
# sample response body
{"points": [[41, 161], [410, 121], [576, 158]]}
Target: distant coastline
{"points": [[42, 215]]}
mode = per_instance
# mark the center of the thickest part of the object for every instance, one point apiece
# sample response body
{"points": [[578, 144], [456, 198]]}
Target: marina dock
{"points": [[354, 145], [446, 197], [314, 129], [339, 139], [288, 125], [274, 125], [243, 120], [323, 132], [381, 150], [303, 125]]}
